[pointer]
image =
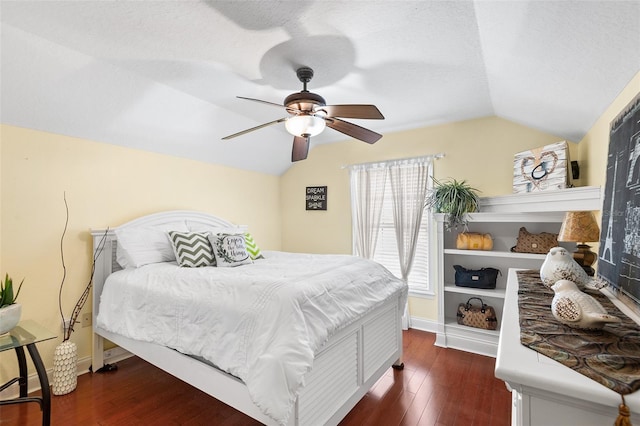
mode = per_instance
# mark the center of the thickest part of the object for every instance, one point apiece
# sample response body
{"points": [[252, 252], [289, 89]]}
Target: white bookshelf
{"points": [[501, 217]]}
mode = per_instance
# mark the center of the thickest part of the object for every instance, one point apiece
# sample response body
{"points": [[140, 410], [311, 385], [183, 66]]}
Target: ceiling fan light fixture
{"points": [[305, 125]]}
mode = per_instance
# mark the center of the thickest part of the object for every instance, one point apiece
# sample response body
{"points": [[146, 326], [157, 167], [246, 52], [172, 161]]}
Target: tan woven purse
{"points": [[474, 241], [535, 243]]}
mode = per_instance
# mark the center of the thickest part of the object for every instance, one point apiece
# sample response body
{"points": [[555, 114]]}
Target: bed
{"points": [[339, 349]]}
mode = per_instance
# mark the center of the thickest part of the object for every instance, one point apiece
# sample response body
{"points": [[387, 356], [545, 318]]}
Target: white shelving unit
{"points": [[501, 217]]}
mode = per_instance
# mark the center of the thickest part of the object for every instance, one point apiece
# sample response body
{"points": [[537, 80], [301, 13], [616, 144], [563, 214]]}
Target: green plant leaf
{"points": [[455, 199], [18, 292], [7, 296]]}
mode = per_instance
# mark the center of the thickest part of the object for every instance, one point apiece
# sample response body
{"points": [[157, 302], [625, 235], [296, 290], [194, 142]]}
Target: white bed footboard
{"points": [[349, 365], [344, 369]]}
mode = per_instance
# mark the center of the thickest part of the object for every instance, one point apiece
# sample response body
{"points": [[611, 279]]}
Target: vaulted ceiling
{"points": [[163, 76]]}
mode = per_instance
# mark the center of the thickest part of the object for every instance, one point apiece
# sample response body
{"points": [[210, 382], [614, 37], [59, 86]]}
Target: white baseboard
{"points": [[33, 384], [116, 354], [424, 324]]}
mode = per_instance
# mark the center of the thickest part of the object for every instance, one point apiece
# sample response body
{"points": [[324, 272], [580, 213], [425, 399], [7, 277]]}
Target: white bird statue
{"points": [[576, 309], [560, 265]]}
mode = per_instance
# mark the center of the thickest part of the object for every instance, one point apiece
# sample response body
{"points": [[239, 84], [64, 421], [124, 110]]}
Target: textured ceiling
{"points": [[163, 75]]}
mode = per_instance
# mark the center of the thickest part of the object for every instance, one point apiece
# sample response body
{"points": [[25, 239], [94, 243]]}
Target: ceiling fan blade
{"points": [[353, 130], [288, 108], [353, 111], [300, 148], [261, 101], [280, 120]]}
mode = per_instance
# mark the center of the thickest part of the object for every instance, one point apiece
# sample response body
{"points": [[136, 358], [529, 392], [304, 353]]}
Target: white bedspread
{"points": [[261, 322]]}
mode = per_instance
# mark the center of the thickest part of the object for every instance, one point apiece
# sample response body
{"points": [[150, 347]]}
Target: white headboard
{"points": [[106, 244]]}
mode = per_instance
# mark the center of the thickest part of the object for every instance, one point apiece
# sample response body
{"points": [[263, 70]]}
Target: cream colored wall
{"points": [[105, 185], [594, 147], [1, 268], [480, 151]]}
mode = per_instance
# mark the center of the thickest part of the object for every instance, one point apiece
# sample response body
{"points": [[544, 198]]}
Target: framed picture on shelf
{"points": [[542, 169]]}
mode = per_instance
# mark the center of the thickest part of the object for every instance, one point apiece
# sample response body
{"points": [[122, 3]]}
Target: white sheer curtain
{"points": [[367, 195], [409, 181]]}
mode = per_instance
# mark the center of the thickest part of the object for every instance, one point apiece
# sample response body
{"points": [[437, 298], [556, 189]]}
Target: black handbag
{"points": [[481, 278]]}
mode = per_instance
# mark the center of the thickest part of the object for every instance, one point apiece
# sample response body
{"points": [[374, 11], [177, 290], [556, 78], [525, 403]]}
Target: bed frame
{"points": [[344, 369]]}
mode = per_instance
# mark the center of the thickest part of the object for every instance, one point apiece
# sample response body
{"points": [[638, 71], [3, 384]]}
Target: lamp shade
{"points": [[305, 125], [579, 227]]}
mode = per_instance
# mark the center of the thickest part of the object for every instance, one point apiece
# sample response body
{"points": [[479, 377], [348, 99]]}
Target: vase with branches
{"points": [[65, 356]]}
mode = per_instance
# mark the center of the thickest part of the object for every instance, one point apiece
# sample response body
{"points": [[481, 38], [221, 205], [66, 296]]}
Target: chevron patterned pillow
{"points": [[192, 249], [252, 247]]}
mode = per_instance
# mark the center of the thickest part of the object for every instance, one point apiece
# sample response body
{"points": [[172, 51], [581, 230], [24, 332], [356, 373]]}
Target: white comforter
{"points": [[261, 322]]}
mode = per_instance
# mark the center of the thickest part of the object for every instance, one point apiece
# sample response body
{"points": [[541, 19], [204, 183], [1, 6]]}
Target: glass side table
{"points": [[28, 333]]}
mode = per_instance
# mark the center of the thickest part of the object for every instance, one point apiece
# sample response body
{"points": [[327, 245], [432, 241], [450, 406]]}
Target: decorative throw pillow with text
{"points": [[229, 249]]}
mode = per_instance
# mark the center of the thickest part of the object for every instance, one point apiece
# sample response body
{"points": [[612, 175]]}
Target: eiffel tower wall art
{"points": [[619, 256]]}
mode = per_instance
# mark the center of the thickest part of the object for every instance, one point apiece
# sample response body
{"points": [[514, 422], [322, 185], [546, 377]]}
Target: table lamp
{"points": [[581, 227]]}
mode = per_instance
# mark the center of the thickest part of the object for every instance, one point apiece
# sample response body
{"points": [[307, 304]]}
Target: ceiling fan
{"points": [[309, 115]]}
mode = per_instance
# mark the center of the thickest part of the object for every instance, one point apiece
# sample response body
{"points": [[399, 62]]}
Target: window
{"points": [[387, 200], [386, 251]]}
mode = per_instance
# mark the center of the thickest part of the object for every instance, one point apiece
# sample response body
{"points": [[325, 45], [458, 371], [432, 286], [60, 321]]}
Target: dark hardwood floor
{"points": [[437, 387]]}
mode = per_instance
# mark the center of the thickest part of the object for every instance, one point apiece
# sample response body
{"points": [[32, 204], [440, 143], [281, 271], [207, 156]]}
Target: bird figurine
{"points": [[576, 309], [560, 265]]}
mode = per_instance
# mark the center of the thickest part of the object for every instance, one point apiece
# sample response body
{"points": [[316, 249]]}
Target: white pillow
{"points": [[229, 249], [142, 245]]}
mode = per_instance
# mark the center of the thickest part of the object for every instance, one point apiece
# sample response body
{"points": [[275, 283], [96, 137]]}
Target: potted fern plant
{"points": [[10, 311], [455, 199]]}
